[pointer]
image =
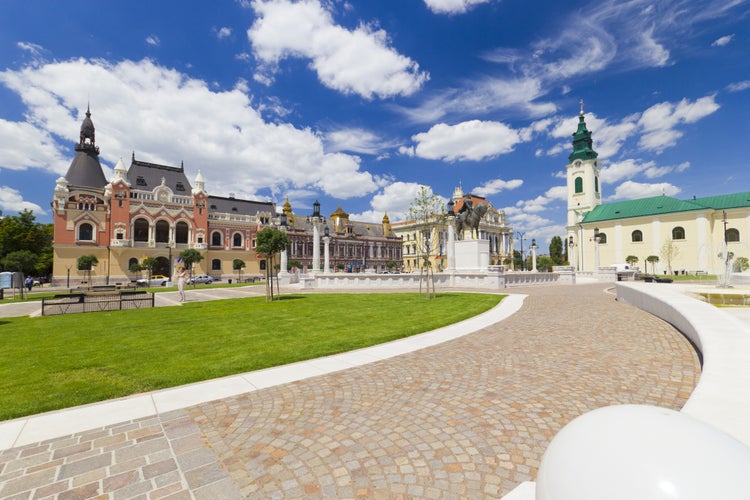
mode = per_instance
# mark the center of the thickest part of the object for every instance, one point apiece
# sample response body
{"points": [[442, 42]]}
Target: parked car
{"points": [[201, 278], [155, 280]]}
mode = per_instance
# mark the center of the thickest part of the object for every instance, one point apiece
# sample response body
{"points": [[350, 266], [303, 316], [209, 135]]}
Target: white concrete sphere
{"points": [[639, 452]]}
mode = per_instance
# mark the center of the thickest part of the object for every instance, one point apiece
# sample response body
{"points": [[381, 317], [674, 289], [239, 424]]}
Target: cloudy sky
{"points": [[358, 102]]}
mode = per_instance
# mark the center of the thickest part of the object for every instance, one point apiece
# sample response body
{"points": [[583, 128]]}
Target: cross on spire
{"points": [[581, 107]]}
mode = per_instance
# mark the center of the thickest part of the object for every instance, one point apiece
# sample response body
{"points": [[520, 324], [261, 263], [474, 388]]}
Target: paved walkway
{"points": [[468, 418]]}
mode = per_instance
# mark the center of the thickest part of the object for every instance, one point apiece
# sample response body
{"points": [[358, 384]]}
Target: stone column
{"points": [[316, 248], [284, 262], [326, 255], [533, 257], [451, 246]]}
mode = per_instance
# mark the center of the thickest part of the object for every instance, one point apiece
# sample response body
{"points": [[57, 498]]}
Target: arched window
{"points": [[132, 262], [602, 238], [181, 232], [162, 231], [216, 265], [237, 240], [85, 232], [262, 265], [216, 239], [678, 233], [733, 235], [579, 185], [636, 236], [140, 230], [596, 184]]}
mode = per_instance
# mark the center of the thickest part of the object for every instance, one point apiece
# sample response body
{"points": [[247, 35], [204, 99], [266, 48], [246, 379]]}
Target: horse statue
{"points": [[469, 217]]}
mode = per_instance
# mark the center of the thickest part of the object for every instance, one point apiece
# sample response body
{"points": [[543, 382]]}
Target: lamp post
{"points": [[451, 250], [315, 220], [596, 249], [571, 246], [284, 256], [533, 255], [520, 236]]}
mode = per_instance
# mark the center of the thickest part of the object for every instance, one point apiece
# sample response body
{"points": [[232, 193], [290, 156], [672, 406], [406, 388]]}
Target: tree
{"points": [[556, 251], [741, 264], [669, 252], [85, 264], [190, 257], [21, 232], [293, 264], [631, 260], [390, 265], [149, 263], [270, 241], [653, 259], [20, 260], [517, 260], [544, 263], [238, 265], [428, 214]]}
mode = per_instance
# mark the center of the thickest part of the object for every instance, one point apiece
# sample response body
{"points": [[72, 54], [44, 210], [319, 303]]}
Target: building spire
{"points": [[583, 145]]}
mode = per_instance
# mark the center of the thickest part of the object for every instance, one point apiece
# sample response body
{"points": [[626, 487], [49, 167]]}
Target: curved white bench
{"points": [[722, 396]]}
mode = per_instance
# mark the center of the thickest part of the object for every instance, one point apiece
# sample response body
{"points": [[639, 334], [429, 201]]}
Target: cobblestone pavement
{"points": [[469, 418]]}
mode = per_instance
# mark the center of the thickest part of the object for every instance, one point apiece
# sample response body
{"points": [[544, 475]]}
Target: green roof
{"points": [[658, 205]]}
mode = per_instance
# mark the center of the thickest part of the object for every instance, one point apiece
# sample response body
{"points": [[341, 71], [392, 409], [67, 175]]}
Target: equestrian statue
{"points": [[469, 217]]}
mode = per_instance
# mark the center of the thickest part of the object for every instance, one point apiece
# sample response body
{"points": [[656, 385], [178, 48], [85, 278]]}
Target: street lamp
{"points": [[596, 249], [533, 254], [520, 236]]}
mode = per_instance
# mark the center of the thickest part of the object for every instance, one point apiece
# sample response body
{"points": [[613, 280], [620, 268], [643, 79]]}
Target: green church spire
{"points": [[582, 143]]}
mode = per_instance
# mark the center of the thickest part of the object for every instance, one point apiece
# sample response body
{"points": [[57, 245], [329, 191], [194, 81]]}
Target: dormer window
{"points": [[180, 187], [213, 207], [140, 181], [234, 209]]}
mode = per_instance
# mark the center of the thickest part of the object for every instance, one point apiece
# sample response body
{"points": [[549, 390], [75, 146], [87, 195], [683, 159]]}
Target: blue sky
{"points": [[358, 102]]}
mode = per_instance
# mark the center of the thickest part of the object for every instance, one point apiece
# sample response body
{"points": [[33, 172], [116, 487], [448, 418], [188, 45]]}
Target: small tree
{"points": [[544, 263], [631, 260], [653, 259], [390, 265], [149, 264], [85, 264], [136, 268], [741, 264], [270, 241], [238, 265], [427, 213], [669, 252], [293, 264], [556, 251], [190, 257]]}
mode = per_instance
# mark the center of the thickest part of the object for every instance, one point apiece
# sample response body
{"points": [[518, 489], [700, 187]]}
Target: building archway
{"points": [[162, 266]]}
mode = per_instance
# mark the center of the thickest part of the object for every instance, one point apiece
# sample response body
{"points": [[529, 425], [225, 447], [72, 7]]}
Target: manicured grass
{"points": [[54, 362]]}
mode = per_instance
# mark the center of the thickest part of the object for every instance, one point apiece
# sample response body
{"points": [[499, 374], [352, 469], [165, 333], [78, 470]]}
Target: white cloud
{"points": [[629, 168], [179, 119], [352, 62], [495, 186], [739, 86], [45, 155], [395, 199], [721, 41], [224, 32], [356, 140], [473, 140], [659, 121], [631, 190], [608, 137], [153, 40], [12, 202], [452, 6]]}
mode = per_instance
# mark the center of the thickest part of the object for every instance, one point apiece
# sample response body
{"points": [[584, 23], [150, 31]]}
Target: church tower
{"points": [[584, 186]]}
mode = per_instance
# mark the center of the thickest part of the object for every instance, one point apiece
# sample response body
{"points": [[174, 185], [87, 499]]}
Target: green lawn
{"points": [[53, 362]]}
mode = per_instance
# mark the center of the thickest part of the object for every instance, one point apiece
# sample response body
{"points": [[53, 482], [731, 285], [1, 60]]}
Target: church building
{"points": [[665, 234]]}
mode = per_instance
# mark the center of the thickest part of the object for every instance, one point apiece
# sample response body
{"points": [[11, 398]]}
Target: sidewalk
{"points": [[467, 417]]}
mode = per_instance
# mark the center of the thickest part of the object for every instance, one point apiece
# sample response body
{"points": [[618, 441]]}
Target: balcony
{"points": [[119, 243]]}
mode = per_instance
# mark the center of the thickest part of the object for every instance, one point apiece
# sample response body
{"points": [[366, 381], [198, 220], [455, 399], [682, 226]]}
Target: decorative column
{"points": [[327, 252], [451, 245], [316, 248], [284, 263], [533, 255]]}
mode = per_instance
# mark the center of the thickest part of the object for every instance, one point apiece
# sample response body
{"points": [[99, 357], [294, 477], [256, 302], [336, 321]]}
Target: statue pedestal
{"points": [[473, 255]]}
